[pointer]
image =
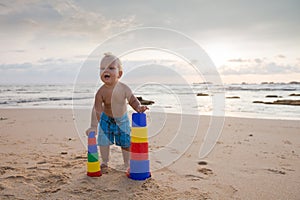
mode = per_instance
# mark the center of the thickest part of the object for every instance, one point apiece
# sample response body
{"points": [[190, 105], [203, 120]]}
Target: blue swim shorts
{"points": [[114, 131]]}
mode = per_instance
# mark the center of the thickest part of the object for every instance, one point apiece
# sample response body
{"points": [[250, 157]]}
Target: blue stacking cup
{"points": [[92, 149], [140, 176], [92, 134], [139, 166], [139, 120]]}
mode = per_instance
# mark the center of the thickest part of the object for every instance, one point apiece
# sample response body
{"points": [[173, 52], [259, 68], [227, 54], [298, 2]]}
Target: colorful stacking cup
{"points": [[139, 147], [139, 134], [139, 166], [92, 141], [93, 164], [92, 135], [139, 120], [93, 157], [94, 174], [140, 176], [139, 158], [92, 149]]}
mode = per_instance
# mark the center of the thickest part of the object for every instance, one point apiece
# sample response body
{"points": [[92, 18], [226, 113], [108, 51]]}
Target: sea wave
{"points": [[173, 98]]}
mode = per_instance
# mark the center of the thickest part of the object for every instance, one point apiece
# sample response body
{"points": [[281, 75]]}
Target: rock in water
{"points": [[145, 102]]}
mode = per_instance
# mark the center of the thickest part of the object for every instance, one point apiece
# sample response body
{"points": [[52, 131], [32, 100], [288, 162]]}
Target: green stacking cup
{"points": [[93, 157]]}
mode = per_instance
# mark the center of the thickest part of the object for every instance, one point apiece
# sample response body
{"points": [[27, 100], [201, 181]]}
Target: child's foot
{"points": [[104, 168], [128, 172]]}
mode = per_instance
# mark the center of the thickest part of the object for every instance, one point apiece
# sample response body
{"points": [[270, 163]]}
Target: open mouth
{"points": [[106, 76]]}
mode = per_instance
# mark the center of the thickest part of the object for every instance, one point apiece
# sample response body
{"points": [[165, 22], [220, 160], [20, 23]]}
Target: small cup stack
{"points": [[93, 164]]}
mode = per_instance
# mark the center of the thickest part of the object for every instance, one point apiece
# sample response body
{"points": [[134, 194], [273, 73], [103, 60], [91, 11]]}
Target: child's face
{"points": [[111, 74]]}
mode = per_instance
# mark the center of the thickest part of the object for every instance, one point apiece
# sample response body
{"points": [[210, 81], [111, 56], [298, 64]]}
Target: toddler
{"points": [[110, 110]]}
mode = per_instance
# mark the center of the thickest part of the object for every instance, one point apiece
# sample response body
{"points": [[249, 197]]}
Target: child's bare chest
{"points": [[107, 96], [114, 96]]}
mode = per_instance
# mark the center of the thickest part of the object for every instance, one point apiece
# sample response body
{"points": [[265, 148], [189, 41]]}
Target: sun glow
{"points": [[219, 53]]}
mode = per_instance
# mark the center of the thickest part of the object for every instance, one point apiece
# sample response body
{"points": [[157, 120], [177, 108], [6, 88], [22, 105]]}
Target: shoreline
{"points": [[231, 115], [42, 157]]}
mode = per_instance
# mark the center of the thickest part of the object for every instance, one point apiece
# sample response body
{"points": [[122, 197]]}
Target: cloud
{"points": [[50, 70], [43, 35], [280, 56], [257, 66], [59, 19], [92, 18], [239, 60], [14, 67], [76, 20]]}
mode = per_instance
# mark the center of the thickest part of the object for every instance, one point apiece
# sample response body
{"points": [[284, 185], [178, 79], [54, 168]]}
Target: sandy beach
{"points": [[43, 157]]}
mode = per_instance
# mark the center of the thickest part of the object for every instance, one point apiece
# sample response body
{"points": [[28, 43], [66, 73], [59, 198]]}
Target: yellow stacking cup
{"points": [[93, 166], [139, 134]]}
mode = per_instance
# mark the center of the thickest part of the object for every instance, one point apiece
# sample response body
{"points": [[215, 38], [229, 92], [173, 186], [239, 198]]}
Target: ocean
{"points": [[230, 99]]}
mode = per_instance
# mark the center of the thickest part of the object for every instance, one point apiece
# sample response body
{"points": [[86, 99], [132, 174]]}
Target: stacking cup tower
{"points": [[139, 157], [93, 164]]}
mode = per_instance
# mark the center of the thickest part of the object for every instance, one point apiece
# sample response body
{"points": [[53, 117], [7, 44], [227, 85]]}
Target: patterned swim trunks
{"points": [[114, 131]]}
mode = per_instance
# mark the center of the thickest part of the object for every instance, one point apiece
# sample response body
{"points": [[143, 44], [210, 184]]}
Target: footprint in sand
{"points": [[41, 162], [193, 177], [287, 142], [17, 179], [276, 171], [4, 169], [205, 171], [110, 190], [202, 162], [2, 187]]}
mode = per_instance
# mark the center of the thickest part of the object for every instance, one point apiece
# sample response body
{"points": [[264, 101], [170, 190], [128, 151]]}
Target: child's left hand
{"points": [[142, 109]]}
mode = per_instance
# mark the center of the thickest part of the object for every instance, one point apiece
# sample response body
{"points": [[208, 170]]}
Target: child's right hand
{"points": [[91, 129]]}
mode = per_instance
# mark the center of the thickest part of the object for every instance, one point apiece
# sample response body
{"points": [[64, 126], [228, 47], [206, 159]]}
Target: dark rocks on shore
{"points": [[145, 102], [204, 83], [281, 83], [288, 102], [257, 102], [294, 82], [202, 94], [294, 95], [233, 97], [281, 102], [273, 96], [264, 83], [268, 102]]}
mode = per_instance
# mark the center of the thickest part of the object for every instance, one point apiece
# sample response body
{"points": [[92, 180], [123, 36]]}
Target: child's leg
{"points": [[104, 151], [126, 156]]}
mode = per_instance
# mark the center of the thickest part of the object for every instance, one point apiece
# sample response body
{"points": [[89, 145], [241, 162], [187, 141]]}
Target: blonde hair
{"points": [[108, 59]]}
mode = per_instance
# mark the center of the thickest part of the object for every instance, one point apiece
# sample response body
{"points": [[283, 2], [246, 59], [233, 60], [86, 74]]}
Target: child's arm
{"points": [[95, 115], [94, 122], [136, 105], [133, 101], [98, 105]]}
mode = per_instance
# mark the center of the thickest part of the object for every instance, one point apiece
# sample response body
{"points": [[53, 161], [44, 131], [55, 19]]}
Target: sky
{"points": [[248, 41]]}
